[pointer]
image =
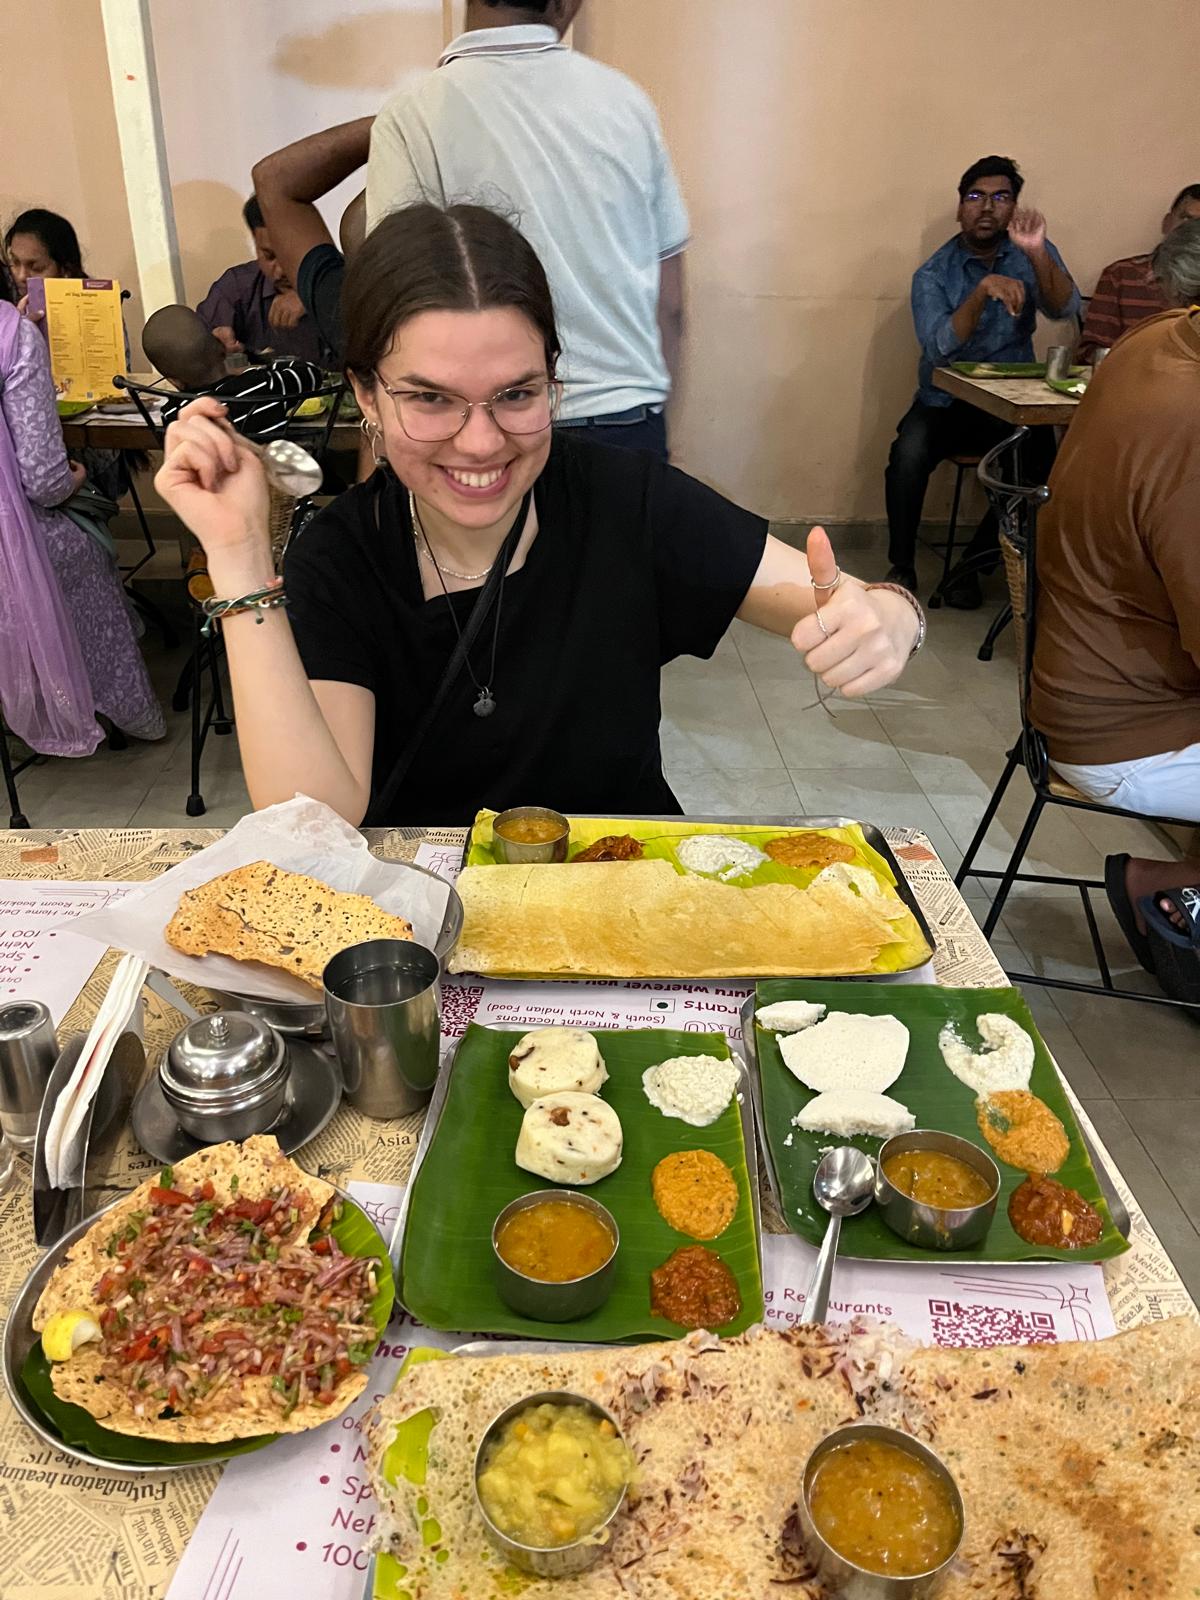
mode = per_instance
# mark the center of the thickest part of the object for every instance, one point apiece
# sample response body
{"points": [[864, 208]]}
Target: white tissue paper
{"points": [[71, 1107], [299, 835]]}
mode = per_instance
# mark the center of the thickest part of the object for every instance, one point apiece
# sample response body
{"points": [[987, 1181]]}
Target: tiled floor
{"points": [[742, 736]]}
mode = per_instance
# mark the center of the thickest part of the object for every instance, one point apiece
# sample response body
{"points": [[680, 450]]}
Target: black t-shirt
{"points": [[319, 285], [634, 564]]}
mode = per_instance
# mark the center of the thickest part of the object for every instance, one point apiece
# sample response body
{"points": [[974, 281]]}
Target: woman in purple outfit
{"points": [[87, 576]]}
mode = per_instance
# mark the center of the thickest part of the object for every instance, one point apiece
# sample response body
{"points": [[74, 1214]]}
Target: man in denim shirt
{"points": [[975, 299]]}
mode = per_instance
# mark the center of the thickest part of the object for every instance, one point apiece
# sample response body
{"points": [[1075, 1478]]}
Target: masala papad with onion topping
{"points": [[226, 1306], [1077, 1463]]}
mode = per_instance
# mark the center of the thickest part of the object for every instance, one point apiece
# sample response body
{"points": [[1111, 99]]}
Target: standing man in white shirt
{"points": [[572, 151]]}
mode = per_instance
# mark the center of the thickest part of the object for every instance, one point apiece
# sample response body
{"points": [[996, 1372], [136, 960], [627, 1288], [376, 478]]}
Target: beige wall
{"points": [[819, 142], [58, 132]]}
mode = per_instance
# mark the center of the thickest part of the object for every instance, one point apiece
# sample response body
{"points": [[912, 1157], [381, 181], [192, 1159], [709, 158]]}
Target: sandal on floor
{"points": [[1175, 951], [1122, 907]]}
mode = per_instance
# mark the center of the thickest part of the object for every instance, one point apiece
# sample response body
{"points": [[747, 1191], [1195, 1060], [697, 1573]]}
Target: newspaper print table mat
{"points": [[74, 1533]]}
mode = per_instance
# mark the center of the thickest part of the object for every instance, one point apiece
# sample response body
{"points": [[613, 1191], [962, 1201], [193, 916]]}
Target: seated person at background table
{"points": [[288, 184], [1116, 671], [604, 563], [41, 244], [257, 400], [86, 570], [255, 307], [1127, 292], [975, 299]]}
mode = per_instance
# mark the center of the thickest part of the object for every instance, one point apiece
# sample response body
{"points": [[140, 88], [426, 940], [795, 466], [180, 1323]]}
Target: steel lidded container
{"points": [[225, 1076]]}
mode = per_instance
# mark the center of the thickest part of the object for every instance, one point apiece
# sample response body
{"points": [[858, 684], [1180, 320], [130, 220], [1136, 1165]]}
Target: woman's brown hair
{"points": [[424, 258]]}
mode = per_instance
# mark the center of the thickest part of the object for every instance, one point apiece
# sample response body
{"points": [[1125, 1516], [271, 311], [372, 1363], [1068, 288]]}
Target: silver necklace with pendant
{"points": [[485, 700]]}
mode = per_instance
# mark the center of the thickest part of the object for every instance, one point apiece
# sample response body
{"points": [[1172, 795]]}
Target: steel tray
{"points": [[871, 834], [1116, 1206], [437, 1105]]}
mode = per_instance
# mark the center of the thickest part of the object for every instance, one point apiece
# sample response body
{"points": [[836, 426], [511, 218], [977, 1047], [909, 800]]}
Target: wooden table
{"points": [[77, 1533], [1021, 402]]}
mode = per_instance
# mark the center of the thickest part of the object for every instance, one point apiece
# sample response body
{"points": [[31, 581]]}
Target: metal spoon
{"points": [[844, 1185], [290, 468]]}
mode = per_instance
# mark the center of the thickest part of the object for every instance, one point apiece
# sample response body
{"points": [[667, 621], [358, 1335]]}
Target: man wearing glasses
{"points": [[975, 299]]}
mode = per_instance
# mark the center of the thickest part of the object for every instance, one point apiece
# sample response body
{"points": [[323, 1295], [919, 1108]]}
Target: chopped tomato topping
{"points": [[169, 1197]]}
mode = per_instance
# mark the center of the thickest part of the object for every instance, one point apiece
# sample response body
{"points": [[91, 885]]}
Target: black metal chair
{"points": [[12, 771], [287, 515], [1017, 506]]}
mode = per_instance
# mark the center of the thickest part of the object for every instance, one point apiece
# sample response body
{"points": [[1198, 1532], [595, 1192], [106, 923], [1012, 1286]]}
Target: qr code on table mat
{"points": [[460, 1002], [982, 1327]]}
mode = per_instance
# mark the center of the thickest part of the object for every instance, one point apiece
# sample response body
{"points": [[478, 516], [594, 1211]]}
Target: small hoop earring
{"points": [[372, 433]]}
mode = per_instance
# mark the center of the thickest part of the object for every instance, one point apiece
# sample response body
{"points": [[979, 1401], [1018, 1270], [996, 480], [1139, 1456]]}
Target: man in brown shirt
{"points": [[1127, 291], [1116, 672]]}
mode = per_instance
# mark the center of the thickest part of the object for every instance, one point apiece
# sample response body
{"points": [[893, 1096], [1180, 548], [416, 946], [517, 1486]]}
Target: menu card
{"points": [[86, 334], [40, 958]]}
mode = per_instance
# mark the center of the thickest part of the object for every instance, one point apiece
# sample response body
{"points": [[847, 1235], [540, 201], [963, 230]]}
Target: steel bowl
{"points": [[838, 1574], [936, 1227], [555, 1561], [555, 1302], [518, 854], [225, 1076]]}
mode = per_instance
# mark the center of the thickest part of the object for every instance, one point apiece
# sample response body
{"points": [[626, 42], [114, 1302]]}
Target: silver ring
{"points": [[821, 625], [832, 584]]}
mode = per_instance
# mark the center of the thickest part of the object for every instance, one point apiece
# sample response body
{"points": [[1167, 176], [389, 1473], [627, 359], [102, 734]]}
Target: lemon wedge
{"points": [[311, 407], [66, 1331]]}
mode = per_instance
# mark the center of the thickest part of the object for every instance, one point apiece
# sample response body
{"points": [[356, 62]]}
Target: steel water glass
{"points": [[28, 1051], [1058, 362], [381, 998]]}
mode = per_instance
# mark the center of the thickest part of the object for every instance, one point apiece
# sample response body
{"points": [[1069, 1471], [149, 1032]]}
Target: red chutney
{"points": [[695, 1289], [1044, 1212]]}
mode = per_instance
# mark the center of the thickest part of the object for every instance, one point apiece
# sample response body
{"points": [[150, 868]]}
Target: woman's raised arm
{"points": [[315, 738]]}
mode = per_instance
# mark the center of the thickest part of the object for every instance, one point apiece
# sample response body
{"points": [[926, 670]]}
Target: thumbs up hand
{"points": [[858, 638]]}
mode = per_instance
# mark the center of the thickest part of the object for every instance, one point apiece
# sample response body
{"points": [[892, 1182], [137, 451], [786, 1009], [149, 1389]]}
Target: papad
{"points": [[259, 1167]]}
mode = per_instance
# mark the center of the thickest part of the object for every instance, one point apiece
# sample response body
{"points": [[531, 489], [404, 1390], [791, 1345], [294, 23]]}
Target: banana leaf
{"points": [[468, 1175], [355, 1233], [936, 1098], [660, 837]]}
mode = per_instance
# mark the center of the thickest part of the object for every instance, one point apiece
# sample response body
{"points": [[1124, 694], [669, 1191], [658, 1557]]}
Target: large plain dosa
{"points": [[283, 919], [240, 1175], [1077, 1463], [628, 919]]}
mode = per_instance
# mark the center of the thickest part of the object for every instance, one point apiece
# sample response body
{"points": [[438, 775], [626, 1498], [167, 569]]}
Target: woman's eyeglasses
{"points": [[429, 416]]}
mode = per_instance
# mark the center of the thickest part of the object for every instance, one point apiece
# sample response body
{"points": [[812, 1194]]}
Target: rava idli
{"points": [[789, 1016], [846, 1112], [570, 1138], [849, 1050], [1005, 1062], [554, 1061]]}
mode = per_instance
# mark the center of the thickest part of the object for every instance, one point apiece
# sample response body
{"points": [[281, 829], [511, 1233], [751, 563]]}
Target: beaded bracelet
{"points": [[259, 601]]}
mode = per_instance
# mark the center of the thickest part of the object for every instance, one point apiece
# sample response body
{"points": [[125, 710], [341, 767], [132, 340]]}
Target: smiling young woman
{"points": [[574, 571]]}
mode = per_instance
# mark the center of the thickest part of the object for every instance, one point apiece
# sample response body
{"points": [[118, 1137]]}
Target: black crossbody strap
{"points": [[480, 612]]}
